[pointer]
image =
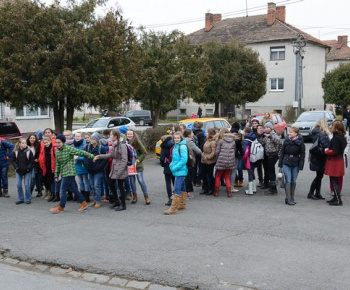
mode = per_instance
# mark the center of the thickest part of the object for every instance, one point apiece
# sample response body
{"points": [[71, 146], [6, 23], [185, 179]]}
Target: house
{"points": [[276, 42], [339, 53]]}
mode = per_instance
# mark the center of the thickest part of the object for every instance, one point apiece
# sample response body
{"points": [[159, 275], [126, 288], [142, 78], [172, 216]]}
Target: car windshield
{"points": [[97, 123], [310, 117]]}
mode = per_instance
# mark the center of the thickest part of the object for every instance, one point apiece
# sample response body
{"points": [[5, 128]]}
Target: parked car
{"points": [[306, 121], [279, 123], [207, 123], [141, 117], [9, 130], [101, 124]]}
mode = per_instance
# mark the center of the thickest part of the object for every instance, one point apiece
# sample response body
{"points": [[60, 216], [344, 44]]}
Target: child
{"points": [[23, 162], [249, 137]]}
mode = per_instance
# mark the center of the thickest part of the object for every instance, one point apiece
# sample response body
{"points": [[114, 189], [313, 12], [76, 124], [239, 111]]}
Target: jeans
{"points": [[113, 188], [290, 173], [169, 178], [179, 184], [208, 175], [127, 185], [96, 185], [27, 182], [69, 182], [141, 182], [239, 169], [36, 179], [84, 183], [4, 184]]}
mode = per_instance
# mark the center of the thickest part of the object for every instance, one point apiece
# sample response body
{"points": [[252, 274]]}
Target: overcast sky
{"points": [[324, 19]]}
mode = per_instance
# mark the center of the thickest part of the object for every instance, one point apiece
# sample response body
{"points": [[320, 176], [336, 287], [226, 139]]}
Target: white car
{"points": [[101, 124]]}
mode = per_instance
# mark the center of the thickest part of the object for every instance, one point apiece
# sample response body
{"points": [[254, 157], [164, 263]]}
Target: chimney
{"points": [[210, 20], [271, 13], [281, 13], [343, 40]]}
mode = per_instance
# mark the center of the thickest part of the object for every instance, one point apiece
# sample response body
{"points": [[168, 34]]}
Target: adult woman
{"points": [[318, 162], [34, 146], [225, 161], [335, 161], [119, 169], [267, 118], [165, 160], [179, 170], [82, 173], [292, 158], [134, 140], [208, 162]]}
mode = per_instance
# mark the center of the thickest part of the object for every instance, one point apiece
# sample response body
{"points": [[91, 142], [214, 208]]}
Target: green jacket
{"points": [[65, 165], [141, 154]]}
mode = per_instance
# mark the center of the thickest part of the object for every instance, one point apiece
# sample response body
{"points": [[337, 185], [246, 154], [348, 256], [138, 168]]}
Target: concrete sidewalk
{"points": [[253, 242]]}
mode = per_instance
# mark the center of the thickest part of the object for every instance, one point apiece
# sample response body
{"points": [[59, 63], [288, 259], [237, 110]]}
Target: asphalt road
{"points": [[255, 241]]}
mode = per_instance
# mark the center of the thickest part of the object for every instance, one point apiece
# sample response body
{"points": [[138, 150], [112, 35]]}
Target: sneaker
{"points": [[57, 209], [128, 196], [97, 205], [233, 189], [190, 195], [83, 205], [93, 203]]}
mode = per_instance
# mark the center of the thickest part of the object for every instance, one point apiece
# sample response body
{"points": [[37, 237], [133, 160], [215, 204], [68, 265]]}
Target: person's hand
{"points": [[95, 158]]}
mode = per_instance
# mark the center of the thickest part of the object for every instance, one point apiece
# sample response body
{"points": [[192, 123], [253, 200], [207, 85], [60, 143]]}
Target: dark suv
{"points": [[9, 130], [142, 117]]}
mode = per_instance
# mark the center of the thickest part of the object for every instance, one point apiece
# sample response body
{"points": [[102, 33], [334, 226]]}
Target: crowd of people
{"points": [[190, 157]]}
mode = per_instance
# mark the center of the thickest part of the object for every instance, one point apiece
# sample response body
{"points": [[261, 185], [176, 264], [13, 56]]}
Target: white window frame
{"points": [[38, 116], [277, 89], [278, 51]]}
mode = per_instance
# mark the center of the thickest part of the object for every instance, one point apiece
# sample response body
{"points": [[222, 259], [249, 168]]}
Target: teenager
{"points": [[6, 149], [34, 146]]}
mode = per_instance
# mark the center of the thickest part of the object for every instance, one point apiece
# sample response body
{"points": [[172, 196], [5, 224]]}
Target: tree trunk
{"points": [[243, 110], [70, 114], [58, 111], [216, 112]]}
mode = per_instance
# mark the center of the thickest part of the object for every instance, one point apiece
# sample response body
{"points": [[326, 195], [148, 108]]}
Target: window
{"points": [[182, 111], [209, 112], [277, 53], [32, 112], [276, 84]]}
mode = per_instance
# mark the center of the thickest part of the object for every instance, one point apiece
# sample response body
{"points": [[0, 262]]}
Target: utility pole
{"points": [[298, 49]]}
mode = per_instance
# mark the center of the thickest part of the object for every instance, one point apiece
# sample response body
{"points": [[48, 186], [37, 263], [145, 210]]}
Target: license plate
{"points": [[304, 134]]}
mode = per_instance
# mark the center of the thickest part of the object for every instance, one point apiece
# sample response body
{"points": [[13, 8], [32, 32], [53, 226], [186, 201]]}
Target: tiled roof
{"points": [[249, 30], [338, 51]]}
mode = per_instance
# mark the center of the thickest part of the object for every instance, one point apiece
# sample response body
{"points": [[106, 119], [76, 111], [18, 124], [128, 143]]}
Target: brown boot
{"points": [[183, 200], [216, 191], [174, 205], [57, 209], [236, 183], [5, 193], [228, 190], [134, 198], [241, 183], [147, 200], [83, 206]]}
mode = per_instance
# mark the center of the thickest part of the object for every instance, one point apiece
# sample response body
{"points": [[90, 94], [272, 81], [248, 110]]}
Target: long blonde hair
{"points": [[323, 125], [17, 144], [222, 133]]}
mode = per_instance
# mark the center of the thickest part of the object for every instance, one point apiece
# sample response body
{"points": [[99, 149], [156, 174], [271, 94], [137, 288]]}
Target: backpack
{"points": [[256, 151], [132, 155], [191, 157]]}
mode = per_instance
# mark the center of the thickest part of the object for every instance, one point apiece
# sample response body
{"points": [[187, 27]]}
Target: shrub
{"points": [[150, 136], [289, 114]]}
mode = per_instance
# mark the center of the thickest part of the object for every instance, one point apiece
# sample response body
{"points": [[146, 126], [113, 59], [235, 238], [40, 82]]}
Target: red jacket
{"points": [[42, 159]]}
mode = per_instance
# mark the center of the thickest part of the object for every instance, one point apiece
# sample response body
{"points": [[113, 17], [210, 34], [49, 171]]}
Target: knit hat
{"points": [[123, 129], [61, 137], [235, 125], [96, 136], [255, 120], [268, 125]]}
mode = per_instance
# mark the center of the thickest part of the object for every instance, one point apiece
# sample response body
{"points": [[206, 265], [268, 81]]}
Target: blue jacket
{"points": [[80, 167], [178, 164], [6, 149], [250, 136]]}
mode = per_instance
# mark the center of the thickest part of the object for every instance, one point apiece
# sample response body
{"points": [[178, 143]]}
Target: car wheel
{"points": [[142, 122]]}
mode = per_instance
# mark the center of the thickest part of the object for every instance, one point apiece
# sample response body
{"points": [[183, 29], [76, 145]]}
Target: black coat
{"points": [[317, 163], [23, 161], [292, 153], [165, 154], [100, 164], [200, 137]]}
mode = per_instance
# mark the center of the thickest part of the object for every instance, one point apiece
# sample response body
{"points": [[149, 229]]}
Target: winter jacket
{"points": [[193, 146], [99, 165], [178, 164], [239, 148], [200, 137], [65, 160], [23, 160], [165, 157], [292, 153], [6, 149], [119, 167], [317, 163], [141, 155], [247, 142], [335, 161], [42, 158], [272, 144], [225, 153], [80, 167], [209, 152]]}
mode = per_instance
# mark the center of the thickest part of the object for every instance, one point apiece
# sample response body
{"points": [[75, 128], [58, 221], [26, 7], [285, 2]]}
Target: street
{"points": [[243, 242]]}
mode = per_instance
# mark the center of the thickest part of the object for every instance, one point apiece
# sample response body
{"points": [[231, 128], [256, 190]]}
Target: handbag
{"points": [[316, 148], [280, 179]]}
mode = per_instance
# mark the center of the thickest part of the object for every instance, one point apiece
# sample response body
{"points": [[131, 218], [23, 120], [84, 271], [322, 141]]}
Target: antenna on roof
{"points": [[246, 8]]}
